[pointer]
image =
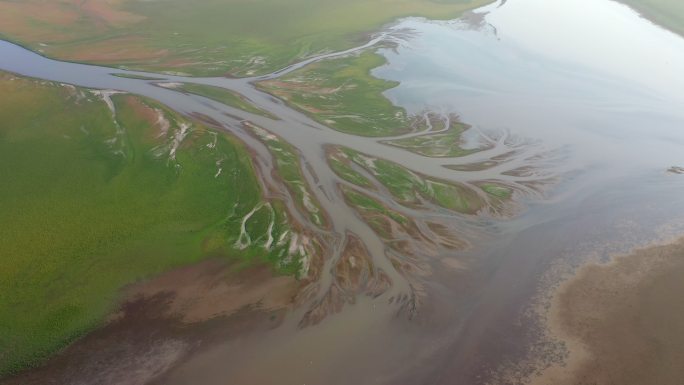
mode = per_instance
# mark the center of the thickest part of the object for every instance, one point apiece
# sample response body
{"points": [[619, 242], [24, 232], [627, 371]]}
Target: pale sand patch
{"points": [[622, 323], [453, 263]]}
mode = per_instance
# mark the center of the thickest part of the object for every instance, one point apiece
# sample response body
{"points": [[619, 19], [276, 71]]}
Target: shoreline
{"points": [[619, 322], [654, 16], [160, 323], [353, 39]]}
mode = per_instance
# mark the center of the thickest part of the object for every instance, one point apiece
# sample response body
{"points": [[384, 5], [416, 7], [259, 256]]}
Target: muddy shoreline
{"points": [[620, 322], [163, 321]]}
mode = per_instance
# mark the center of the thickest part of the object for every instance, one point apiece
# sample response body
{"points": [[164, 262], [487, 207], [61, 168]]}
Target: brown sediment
{"points": [[161, 122], [354, 274], [621, 323], [142, 110], [453, 263], [539, 186], [478, 166], [13, 20], [524, 171], [164, 321], [211, 289], [155, 119], [503, 206], [445, 237], [405, 237], [411, 248]]}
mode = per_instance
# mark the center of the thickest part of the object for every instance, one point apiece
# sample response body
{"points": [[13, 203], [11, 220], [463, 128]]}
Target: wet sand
{"points": [[621, 323]]}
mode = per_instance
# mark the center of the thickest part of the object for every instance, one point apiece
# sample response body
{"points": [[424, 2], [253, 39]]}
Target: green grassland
{"points": [[364, 202], [342, 165], [496, 190], [438, 144], [90, 203], [375, 214], [342, 94], [206, 37], [407, 186], [668, 13]]}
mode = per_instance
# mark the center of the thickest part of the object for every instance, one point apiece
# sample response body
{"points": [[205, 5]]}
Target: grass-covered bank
{"points": [[92, 200], [411, 189], [343, 94], [668, 13], [209, 37]]}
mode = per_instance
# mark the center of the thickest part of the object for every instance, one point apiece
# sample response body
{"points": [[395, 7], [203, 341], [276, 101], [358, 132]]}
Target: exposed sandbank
{"points": [[623, 322]]}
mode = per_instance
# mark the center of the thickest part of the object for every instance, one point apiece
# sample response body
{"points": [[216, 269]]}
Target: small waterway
{"points": [[592, 89]]}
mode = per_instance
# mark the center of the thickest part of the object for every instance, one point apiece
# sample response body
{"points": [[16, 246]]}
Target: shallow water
{"points": [[587, 82]]}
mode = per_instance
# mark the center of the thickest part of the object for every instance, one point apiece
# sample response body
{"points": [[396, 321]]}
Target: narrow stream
{"points": [[594, 97]]}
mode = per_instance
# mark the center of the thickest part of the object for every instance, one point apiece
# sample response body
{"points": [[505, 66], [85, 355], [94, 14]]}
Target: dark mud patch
{"points": [[165, 321], [676, 170]]}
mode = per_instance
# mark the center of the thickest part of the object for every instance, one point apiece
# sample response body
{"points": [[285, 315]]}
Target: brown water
{"points": [[586, 92]]}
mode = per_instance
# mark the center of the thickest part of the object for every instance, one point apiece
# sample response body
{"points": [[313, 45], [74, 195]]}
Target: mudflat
{"points": [[623, 322], [163, 321]]}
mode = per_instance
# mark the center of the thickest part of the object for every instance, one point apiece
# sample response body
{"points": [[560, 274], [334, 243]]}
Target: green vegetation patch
{"points": [[496, 190], [342, 94], [446, 143], [668, 13], [407, 186], [364, 202], [341, 164], [92, 201]]}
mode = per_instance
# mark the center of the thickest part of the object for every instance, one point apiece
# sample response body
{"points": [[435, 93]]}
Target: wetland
{"points": [[438, 202]]}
